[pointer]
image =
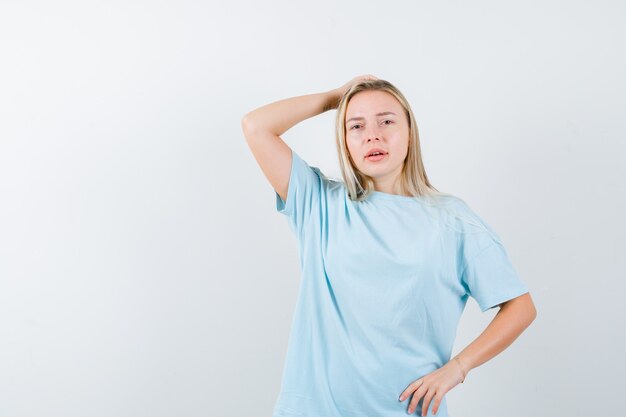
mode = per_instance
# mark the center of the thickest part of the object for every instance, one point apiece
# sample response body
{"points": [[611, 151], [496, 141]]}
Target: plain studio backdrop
{"points": [[144, 270]]}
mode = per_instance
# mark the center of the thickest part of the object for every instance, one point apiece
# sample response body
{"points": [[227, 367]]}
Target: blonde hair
{"points": [[413, 179]]}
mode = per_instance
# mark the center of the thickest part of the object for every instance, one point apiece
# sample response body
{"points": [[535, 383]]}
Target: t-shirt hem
{"points": [[505, 298]]}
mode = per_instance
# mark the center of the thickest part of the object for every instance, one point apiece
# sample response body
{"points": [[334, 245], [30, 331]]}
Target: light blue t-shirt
{"points": [[384, 283]]}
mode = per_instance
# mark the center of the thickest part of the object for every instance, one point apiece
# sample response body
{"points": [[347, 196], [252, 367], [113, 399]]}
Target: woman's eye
{"points": [[390, 121], [354, 126]]}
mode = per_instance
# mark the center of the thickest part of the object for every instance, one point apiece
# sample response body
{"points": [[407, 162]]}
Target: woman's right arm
{"points": [[262, 128]]}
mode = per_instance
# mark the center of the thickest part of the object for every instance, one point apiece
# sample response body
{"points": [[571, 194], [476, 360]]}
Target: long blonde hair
{"points": [[413, 178]]}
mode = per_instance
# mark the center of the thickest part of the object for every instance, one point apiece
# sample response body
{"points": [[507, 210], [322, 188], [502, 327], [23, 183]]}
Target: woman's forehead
{"points": [[372, 102]]}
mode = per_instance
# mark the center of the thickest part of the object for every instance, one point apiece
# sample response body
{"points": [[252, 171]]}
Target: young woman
{"points": [[388, 263]]}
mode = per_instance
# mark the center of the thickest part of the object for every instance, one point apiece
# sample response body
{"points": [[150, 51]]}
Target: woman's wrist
{"points": [[333, 99], [461, 366]]}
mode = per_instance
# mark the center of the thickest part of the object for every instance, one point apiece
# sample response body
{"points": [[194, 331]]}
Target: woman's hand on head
{"points": [[340, 91], [433, 386]]}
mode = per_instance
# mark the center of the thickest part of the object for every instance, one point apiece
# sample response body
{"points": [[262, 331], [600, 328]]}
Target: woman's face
{"points": [[375, 119]]}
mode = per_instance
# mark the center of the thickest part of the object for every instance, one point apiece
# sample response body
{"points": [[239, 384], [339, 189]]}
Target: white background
{"points": [[144, 270]]}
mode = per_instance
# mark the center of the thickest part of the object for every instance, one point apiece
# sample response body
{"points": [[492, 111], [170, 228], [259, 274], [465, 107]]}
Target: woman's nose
{"points": [[372, 133]]}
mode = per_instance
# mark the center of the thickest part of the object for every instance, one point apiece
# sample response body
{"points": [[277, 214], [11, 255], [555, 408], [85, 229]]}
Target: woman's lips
{"points": [[376, 158]]}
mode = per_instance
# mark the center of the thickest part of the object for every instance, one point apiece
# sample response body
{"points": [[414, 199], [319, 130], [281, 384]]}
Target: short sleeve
{"points": [[487, 272], [303, 194], [490, 277]]}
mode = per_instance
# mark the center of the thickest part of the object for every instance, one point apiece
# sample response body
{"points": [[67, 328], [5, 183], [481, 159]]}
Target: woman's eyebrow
{"points": [[384, 113]]}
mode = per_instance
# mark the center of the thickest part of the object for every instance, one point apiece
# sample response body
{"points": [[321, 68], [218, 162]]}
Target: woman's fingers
{"points": [[412, 387], [426, 403], [356, 80], [432, 387], [436, 403], [366, 77], [417, 395]]}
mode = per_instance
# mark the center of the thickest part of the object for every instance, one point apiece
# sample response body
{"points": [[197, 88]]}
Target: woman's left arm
{"points": [[511, 320]]}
